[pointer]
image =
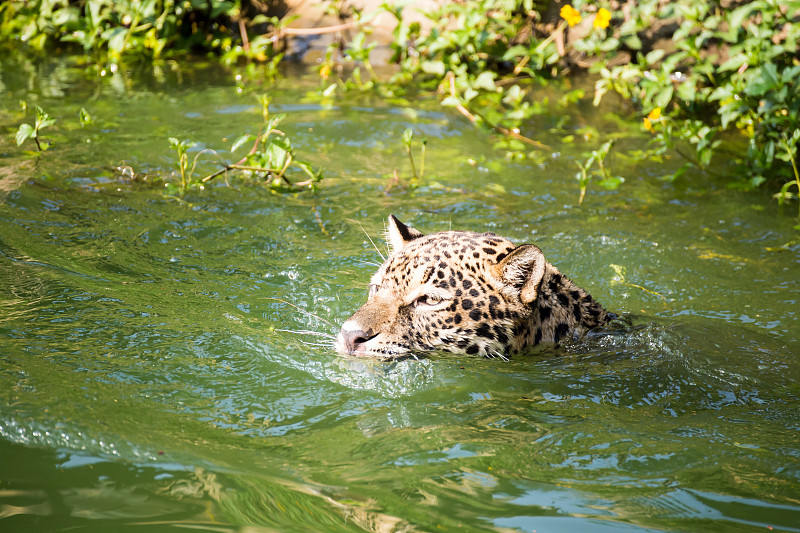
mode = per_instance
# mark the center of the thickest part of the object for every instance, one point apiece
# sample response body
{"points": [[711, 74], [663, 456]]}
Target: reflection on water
{"points": [[153, 375]]}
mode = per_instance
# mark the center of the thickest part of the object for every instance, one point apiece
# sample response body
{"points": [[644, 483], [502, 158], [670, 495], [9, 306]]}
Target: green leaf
{"points": [[611, 183], [43, 119], [24, 133], [329, 90], [654, 56], [85, 118], [514, 52], [485, 81], [633, 42], [764, 80], [433, 67], [306, 167], [240, 141]]}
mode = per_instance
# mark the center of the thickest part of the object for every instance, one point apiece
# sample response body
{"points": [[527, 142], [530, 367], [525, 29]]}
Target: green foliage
{"points": [[269, 161], [112, 29], [728, 76], [28, 131], [476, 53], [181, 147], [408, 140], [725, 85], [602, 175], [732, 72]]}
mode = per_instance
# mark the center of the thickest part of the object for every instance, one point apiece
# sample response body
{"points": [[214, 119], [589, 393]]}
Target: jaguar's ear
{"points": [[399, 235], [523, 269]]}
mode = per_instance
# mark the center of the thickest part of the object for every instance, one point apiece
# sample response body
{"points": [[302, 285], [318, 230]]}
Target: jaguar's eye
{"points": [[372, 290], [428, 299]]}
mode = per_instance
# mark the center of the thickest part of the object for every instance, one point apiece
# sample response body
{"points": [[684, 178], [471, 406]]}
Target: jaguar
{"points": [[465, 293]]}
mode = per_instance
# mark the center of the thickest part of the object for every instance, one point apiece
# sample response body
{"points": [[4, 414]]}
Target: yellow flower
{"points": [[571, 15], [325, 71], [602, 18], [655, 114]]}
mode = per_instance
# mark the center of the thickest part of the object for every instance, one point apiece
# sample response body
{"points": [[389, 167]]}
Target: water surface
{"points": [[154, 373]]}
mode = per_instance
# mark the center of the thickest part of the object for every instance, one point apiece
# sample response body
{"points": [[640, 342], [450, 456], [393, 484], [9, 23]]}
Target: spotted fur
{"points": [[467, 293]]}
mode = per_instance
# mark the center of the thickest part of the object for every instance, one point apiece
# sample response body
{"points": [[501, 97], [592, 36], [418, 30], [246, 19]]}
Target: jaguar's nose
{"points": [[351, 337]]}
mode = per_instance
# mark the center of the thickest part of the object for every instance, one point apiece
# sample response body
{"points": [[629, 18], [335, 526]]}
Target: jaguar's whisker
{"points": [[372, 242], [300, 309], [308, 332]]}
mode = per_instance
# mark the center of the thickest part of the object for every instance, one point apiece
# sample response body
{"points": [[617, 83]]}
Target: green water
{"points": [[152, 377]]}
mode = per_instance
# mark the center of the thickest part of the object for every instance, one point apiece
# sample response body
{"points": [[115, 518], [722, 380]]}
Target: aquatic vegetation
{"points": [[268, 161], [727, 78], [408, 138], [28, 131], [602, 175], [706, 82]]}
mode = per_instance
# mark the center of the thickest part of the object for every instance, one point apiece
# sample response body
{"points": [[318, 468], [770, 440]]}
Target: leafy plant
{"points": [[272, 156], [602, 175], [408, 138], [182, 147], [734, 72], [27, 131], [269, 161], [790, 151], [110, 30]]}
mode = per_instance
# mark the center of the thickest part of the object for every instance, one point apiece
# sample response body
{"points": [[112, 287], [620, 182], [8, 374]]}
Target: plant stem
{"points": [[789, 151], [411, 158], [422, 163]]}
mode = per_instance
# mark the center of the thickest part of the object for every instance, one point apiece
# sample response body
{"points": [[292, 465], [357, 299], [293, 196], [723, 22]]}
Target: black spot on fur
{"points": [[474, 293], [545, 312], [457, 318], [537, 339], [501, 256], [472, 349], [485, 331], [493, 300], [467, 304], [576, 310], [475, 314], [490, 251], [575, 295], [467, 284], [561, 330], [500, 335], [562, 298], [440, 274]]}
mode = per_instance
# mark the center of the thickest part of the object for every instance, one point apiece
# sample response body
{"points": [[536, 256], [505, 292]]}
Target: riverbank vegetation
{"points": [[708, 82]]}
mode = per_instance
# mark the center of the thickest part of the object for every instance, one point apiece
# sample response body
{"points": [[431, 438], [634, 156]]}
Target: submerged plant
{"points": [[28, 131], [272, 155], [269, 161], [181, 147], [603, 176], [408, 139], [789, 146]]}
